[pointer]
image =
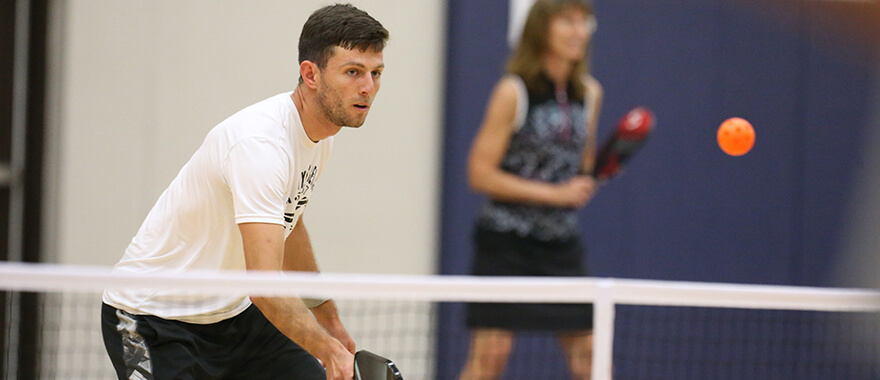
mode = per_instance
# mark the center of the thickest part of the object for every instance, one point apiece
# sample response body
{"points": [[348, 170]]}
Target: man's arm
{"points": [[299, 256], [264, 250]]}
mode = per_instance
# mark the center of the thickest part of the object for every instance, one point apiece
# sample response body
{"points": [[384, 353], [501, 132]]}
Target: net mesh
{"points": [[52, 330], [726, 343], [70, 344]]}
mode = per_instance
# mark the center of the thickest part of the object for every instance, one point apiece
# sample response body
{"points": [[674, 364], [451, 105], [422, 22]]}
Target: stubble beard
{"points": [[335, 111]]}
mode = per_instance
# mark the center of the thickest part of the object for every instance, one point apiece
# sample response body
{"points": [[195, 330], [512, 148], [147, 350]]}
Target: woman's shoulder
{"points": [[591, 84], [510, 88], [510, 82]]}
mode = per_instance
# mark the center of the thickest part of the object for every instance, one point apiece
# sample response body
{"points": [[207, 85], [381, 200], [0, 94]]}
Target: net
{"points": [[643, 329]]}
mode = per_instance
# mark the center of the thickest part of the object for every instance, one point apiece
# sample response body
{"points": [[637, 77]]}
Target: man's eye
{"points": [[377, 74], [352, 72]]}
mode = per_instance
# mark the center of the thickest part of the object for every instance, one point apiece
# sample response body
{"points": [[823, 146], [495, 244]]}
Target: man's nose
{"points": [[368, 85]]}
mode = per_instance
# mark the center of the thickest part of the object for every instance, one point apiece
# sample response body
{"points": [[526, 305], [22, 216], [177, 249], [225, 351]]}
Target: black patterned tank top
{"points": [[547, 147]]}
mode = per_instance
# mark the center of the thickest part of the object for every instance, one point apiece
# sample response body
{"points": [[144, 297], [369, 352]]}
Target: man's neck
{"points": [[316, 126]]}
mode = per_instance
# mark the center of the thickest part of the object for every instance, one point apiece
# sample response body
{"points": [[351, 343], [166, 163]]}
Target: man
{"points": [[238, 204]]}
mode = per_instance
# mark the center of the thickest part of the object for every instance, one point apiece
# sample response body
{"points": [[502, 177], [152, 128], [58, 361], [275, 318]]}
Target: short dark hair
{"points": [[340, 25]]}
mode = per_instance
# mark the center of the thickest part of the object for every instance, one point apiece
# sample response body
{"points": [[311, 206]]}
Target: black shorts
{"points": [[246, 346], [507, 254]]}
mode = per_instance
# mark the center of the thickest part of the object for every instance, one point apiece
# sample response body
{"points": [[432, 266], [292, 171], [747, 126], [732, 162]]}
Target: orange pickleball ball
{"points": [[736, 136]]}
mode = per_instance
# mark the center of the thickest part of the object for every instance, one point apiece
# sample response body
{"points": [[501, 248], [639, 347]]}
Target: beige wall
{"points": [[135, 85]]}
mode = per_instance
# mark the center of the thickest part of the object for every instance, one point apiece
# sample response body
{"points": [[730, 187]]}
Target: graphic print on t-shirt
{"points": [[307, 181]]}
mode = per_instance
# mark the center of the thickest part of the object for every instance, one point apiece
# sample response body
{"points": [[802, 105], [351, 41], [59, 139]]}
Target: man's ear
{"points": [[309, 72]]}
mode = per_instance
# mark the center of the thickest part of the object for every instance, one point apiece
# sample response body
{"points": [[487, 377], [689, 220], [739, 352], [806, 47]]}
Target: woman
{"points": [[537, 138]]}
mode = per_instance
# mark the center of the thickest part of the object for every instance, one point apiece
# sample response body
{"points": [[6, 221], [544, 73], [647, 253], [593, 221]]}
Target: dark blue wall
{"points": [[800, 71], [475, 54]]}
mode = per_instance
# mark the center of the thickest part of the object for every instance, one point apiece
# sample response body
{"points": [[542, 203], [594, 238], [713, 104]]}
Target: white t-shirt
{"points": [[256, 166]]}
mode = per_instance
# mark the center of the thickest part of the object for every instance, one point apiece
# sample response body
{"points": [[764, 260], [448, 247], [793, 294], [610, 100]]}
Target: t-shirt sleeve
{"points": [[257, 172]]}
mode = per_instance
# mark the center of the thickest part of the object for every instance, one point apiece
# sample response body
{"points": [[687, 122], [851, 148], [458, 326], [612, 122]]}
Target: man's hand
{"points": [[339, 363], [328, 316]]}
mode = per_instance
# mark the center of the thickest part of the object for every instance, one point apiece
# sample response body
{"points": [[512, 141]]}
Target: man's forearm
{"points": [[293, 319], [264, 250], [298, 253], [299, 256]]}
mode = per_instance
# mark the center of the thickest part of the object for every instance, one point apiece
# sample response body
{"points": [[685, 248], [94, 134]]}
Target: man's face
{"points": [[348, 85]]}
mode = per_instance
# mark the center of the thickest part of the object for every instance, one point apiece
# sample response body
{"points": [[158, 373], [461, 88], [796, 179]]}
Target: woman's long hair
{"points": [[526, 61]]}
